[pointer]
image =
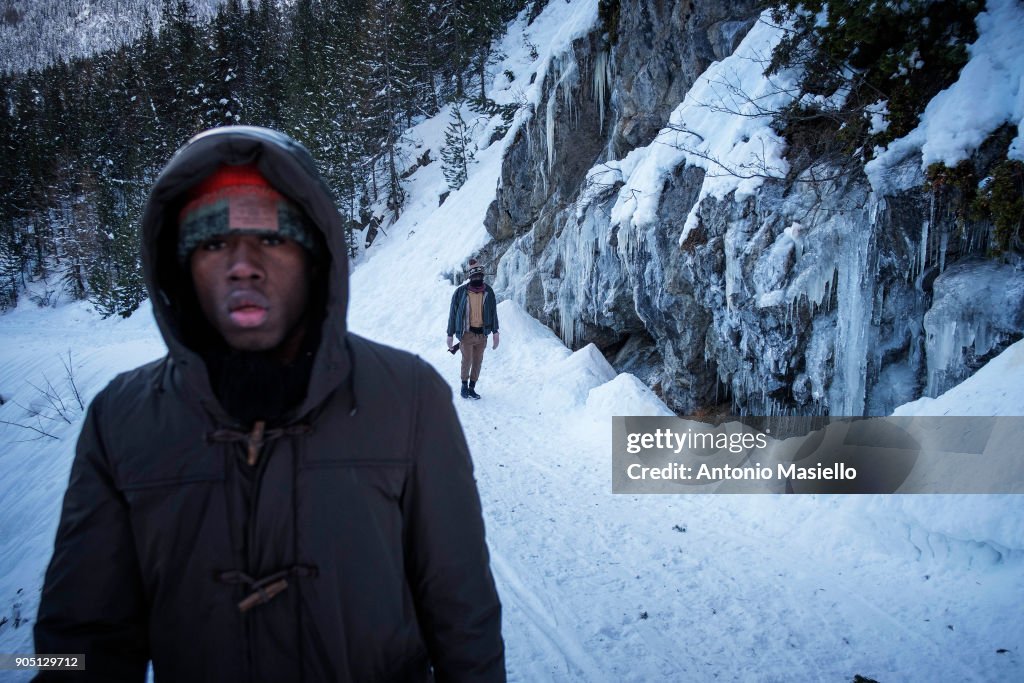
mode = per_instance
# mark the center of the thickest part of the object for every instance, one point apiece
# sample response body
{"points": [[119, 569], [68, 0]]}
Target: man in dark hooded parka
{"points": [[276, 499]]}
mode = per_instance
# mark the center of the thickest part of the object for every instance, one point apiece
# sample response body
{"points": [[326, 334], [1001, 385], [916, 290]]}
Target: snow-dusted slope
{"points": [[595, 586], [34, 35]]}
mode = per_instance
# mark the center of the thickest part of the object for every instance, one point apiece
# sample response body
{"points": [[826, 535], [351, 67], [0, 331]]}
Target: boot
{"points": [[472, 390], [465, 390]]}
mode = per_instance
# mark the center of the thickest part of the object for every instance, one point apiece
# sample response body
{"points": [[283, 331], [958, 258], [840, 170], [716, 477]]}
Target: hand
{"points": [[495, 341], [450, 337]]}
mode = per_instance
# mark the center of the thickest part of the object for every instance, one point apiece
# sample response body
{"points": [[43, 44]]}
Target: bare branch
{"points": [[759, 169], [35, 412], [38, 431], [55, 402], [69, 369]]}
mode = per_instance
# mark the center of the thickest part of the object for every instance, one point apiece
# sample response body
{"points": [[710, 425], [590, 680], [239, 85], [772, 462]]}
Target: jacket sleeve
{"points": [[451, 313], [449, 566], [92, 601]]}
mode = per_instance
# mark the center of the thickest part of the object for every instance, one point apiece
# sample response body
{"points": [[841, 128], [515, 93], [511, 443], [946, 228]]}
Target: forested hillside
{"points": [[37, 33], [83, 139]]}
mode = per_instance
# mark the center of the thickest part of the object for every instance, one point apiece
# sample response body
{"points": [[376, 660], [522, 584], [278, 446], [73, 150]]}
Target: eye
{"points": [[273, 240], [212, 244]]}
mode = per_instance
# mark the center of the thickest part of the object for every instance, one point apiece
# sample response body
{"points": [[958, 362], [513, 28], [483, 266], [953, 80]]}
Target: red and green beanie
{"points": [[239, 199]]}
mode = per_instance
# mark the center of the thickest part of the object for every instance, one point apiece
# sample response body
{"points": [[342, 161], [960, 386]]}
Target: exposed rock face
{"points": [[660, 48], [805, 298]]}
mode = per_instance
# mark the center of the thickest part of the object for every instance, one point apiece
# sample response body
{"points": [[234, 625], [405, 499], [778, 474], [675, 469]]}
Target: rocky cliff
{"points": [[802, 295]]}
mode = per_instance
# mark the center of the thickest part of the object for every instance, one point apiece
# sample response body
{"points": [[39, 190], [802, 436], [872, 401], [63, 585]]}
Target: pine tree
{"points": [[430, 37], [474, 24], [457, 152], [267, 90], [385, 85], [31, 196], [10, 267], [483, 19], [115, 279], [184, 64], [233, 50], [153, 131], [11, 256]]}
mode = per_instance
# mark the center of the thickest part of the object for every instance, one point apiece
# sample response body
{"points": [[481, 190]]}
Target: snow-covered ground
{"points": [[595, 586]]}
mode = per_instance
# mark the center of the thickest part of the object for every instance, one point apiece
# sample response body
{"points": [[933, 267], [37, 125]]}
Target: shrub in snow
{"points": [[984, 196], [863, 57], [1001, 199]]}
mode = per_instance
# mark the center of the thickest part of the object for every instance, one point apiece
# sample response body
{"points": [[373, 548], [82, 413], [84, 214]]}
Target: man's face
{"points": [[253, 289]]}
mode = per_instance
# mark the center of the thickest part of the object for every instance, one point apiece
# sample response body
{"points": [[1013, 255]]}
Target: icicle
{"points": [[535, 152], [940, 355], [563, 70], [922, 258], [855, 303], [601, 79], [946, 350], [571, 112], [943, 244], [581, 242], [549, 127], [515, 270]]}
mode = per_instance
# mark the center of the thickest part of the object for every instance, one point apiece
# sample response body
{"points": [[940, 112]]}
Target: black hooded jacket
{"points": [[356, 542]]}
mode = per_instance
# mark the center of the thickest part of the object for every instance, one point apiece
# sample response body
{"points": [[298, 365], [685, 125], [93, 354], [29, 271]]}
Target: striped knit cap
{"points": [[238, 199]]}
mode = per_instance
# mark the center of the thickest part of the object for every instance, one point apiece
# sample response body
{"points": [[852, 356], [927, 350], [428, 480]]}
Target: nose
{"points": [[244, 261]]}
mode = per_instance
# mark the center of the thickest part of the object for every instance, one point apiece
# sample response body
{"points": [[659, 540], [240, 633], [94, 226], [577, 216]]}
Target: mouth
{"points": [[247, 310], [249, 316]]}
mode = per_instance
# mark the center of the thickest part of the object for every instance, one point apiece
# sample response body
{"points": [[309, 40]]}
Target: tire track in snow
{"points": [[525, 602]]}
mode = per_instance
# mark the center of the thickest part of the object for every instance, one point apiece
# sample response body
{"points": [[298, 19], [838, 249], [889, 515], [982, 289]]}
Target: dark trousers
{"points": [[472, 348]]}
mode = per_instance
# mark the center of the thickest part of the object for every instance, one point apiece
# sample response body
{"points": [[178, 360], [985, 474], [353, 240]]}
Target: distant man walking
{"points": [[472, 316], [277, 499]]}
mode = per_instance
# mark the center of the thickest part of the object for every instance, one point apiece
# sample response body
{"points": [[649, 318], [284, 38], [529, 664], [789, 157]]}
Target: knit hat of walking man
{"points": [[472, 315]]}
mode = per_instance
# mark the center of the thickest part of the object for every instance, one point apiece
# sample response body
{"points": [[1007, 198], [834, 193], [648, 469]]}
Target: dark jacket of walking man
{"points": [[472, 316], [277, 499]]}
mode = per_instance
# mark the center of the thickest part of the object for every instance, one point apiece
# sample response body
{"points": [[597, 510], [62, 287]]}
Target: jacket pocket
{"points": [[164, 469]]}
